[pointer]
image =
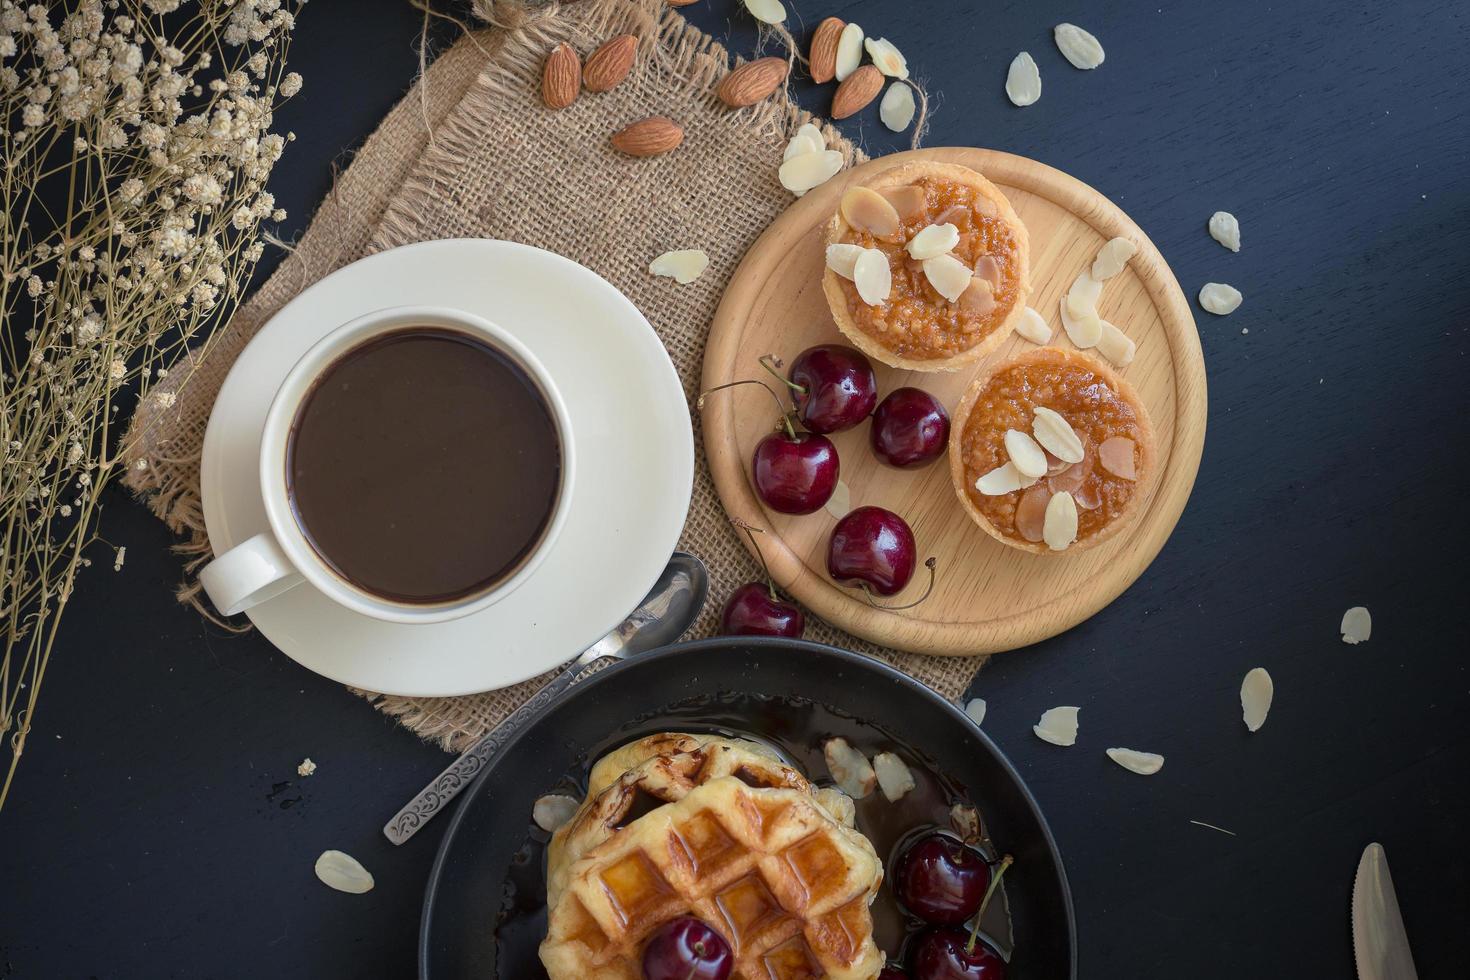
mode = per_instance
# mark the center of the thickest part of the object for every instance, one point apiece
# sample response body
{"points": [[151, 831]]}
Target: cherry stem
{"points": [[785, 416], [930, 564], [771, 362], [1005, 863], [751, 531]]}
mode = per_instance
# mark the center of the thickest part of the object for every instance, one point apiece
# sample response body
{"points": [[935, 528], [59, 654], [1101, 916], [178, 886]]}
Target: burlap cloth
{"points": [[471, 152]]}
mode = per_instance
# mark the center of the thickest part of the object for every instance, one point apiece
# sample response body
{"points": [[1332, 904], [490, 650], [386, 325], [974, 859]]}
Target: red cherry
{"points": [[910, 428], [795, 474], [687, 949], [833, 386], [872, 547], [946, 954], [754, 610], [941, 880]]}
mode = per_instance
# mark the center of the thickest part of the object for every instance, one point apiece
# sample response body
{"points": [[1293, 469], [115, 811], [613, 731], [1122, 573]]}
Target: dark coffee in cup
{"points": [[424, 466]]}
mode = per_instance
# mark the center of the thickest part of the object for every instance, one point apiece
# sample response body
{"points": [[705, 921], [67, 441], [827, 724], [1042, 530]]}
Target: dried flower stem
{"points": [[136, 148]]}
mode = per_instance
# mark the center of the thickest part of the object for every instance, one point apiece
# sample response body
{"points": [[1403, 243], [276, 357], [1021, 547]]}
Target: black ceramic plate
{"points": [[484, 913]]}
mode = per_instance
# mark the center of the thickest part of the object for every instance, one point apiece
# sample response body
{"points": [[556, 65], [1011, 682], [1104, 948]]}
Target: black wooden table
{"points": [[158, 828]]}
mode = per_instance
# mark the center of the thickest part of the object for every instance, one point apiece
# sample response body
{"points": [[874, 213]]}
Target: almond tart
{"points": [[928, 266], [1045, 425]]}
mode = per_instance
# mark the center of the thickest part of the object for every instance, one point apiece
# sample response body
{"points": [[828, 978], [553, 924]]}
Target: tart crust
{"points": [[1145, 441], [910, 173]]}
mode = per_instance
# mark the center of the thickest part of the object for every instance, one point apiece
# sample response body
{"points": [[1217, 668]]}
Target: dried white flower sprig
{"points": [[136, 148]]}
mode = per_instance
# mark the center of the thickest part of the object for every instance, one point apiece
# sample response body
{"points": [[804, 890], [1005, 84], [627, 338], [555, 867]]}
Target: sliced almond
{"points": [[866, 210], [822, 58], [957, 215], [1023, 80], [849, 768], [550, 812], [1357, 625], [964, 819], [1225, 229], [1116, 456], [873, 277], [1112, 258], [343, 872], [975, 709], [1256, 692], [1077, 46], [978, 297], [897, 108], [842, 258], [801, 173], [1083, 294], [766, 11], [837, 804], [849, 51], [808, 139], [1033, 327], [987, 268], [1088, 496], [1031, 513], [1084, 332], [1114, 344], [1220, 298], [1002, 480], [948, 275], [934, 241], [1075, 475], [887, 57], [1055, 466], [1056, 435], [1060, 529], [1025, 454], [895, 778], [1143, 763], [683, 266], [908, 200], [1058, 725]]}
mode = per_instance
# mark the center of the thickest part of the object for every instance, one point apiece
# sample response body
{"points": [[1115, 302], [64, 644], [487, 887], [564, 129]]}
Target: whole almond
{"points": [[824, 49], [561, 78], [610, 63], [648, 137], [856, 91], [752, 81]]}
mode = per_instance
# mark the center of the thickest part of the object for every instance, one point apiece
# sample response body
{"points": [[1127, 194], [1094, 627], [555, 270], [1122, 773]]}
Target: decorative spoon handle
{"points": [[462, 771]]}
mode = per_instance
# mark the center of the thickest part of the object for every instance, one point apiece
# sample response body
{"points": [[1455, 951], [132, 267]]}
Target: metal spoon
{"points": [[663, 616]]}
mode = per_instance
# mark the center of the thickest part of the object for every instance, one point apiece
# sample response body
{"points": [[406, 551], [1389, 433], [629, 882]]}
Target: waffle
{"points": [[610, 767], [767, 867], [667, 778]]}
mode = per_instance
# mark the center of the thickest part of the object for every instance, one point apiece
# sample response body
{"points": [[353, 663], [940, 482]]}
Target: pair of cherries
{"points": [[946, 883], [940, 879], [833, 388]]}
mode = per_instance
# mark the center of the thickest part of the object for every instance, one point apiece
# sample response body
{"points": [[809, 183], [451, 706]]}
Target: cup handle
{"points": [[248, 574]]}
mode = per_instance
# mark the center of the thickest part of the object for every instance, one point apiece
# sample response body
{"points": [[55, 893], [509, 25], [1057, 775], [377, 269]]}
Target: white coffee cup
{"points": [[270, 563]]}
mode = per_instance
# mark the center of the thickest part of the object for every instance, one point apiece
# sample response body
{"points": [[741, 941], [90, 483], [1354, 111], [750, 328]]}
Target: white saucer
{"points": [[635, 466]]}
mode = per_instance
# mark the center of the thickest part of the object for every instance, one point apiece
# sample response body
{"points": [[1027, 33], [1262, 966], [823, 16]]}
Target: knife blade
{"points": [[1380, 944]]}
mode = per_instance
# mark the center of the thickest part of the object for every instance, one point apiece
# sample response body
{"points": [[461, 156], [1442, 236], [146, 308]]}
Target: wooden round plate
{"points": [[988, 597]]}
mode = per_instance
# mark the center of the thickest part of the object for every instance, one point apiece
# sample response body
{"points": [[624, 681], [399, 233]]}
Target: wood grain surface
{"points": [[988, 597]]}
